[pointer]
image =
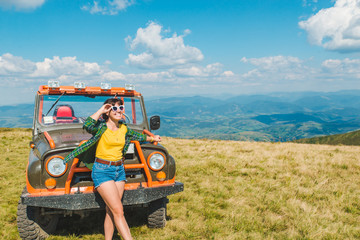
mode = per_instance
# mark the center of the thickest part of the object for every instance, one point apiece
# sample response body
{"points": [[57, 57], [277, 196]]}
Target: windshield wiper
{"points": [[55, 103]]}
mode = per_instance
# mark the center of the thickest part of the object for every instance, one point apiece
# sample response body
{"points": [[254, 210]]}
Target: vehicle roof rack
{"points": [[71, 90]]}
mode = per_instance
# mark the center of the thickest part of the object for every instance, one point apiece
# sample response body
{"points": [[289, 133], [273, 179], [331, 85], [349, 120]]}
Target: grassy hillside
{"points": [[351, 138], [233, 190]]}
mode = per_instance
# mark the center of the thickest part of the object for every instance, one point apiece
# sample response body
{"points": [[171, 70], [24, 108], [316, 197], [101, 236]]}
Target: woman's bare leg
{"points": [[111, 193], [121, 186], [109, 224]]}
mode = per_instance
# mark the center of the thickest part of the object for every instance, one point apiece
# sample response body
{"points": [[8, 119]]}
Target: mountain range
{"points": [[267, 117], [271, 117]]}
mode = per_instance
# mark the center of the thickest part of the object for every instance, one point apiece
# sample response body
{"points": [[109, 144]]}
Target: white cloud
{"points": [[108, 7], [65, 69], [152, 77], [112, 76], [280, 73], [341, 68], [181, 75], [277, 68], [65, 66], [12, 65], [160, 52], [21, 4], [69, 69], [228, 74], [274, 63], [210, 71], [274, 73], [336, 28], [309, 3]]}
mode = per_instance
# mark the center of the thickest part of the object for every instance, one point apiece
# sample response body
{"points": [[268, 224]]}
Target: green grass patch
{"points": [[233, 190]]}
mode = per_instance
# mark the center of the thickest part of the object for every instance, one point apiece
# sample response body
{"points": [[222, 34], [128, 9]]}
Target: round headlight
{"points": [[156, 161], [55, 166]]}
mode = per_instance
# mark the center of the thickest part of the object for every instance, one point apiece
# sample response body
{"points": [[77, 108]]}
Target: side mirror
{"points": [[155, 122]]}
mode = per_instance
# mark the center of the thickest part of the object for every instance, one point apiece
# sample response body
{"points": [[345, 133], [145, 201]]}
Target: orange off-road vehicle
{"points": [[54, 189]]}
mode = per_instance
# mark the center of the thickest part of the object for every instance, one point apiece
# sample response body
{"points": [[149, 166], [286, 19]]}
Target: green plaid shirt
{"points": [[86, 152]]}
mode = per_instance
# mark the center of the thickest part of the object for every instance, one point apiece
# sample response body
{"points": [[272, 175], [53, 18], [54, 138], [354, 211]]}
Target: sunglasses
{"points": [[115, 108]]}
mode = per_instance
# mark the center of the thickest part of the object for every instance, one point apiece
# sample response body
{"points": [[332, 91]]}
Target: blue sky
{"points": [[180, 47]]}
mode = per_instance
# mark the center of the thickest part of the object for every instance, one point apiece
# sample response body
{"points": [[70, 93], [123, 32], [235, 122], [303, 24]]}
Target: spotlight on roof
{"points": [[129, 87], [79, 85], [105, 86], [53, 84]]}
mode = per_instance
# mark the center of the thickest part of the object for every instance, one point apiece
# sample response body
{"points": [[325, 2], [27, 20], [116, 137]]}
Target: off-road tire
{"points": [[157, 213], [31, 225]]}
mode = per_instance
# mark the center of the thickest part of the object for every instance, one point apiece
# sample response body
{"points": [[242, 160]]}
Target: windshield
{"points": [[75, 109]]}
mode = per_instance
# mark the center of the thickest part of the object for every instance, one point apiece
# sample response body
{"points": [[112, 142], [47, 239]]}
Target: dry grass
{"points": [[233, 190], [14, 152]]}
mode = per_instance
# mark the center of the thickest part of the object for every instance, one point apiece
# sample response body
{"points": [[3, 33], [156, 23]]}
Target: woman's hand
{"points": [[104, 109], [157, 138]]}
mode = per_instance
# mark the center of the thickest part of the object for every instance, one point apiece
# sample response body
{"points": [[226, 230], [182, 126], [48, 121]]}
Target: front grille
{"points": [[80, 177], [134, 174]]}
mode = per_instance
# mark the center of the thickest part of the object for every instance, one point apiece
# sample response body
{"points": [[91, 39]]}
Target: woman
{"points": [[111, 137]]}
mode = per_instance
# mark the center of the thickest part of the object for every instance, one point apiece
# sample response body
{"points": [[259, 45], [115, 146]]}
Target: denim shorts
{"points": [[104, 172]]}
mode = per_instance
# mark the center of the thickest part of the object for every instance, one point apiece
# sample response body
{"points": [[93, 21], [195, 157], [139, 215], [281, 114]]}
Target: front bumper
{"points": [[81, 201]]}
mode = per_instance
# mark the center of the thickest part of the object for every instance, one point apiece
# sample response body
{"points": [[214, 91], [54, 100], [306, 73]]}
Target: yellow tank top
{"points": [[111, 144]]}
